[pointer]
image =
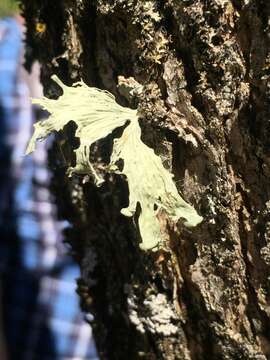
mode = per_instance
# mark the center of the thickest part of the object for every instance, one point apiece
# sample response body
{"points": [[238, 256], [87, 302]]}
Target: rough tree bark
{"points": [[204, 66]]}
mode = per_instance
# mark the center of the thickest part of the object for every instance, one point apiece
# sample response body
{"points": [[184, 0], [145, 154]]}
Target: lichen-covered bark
{"points": [[205, 109]]}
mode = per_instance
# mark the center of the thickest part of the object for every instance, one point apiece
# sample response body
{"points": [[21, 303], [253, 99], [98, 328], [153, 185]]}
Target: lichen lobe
{"points": [[97, 114]]}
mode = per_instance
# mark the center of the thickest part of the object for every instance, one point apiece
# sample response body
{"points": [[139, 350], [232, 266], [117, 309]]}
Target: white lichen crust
{"points": [[160, 316]]}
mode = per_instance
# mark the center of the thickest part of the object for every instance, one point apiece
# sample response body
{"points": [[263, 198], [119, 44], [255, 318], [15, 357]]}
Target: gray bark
{"points": [[204, 67]]}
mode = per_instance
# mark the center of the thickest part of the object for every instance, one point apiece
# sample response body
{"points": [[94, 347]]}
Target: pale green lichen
{"points": [[96, 115], [150, 184]]}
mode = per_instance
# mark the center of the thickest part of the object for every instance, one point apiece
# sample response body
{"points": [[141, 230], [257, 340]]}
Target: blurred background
{"points": [[8, 7], [40, 316]]}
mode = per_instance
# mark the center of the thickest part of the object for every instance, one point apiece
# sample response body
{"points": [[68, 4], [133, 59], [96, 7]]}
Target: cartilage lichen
{"points": [[97, 114]]}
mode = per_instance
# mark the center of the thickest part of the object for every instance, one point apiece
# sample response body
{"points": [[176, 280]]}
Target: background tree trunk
{"points": [[204, 106]]}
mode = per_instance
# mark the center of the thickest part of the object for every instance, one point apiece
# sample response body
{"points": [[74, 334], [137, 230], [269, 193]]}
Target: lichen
{"points": [[96, 115], [159, 315]]}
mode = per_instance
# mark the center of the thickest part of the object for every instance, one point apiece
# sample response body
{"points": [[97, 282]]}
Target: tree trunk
{"points": [[204, 107]]}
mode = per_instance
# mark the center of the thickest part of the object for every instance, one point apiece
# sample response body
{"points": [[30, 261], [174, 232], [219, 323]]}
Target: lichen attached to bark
{"points": [[96, 115]]}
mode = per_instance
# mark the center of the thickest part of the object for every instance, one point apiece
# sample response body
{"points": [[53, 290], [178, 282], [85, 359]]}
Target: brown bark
{"points": [[204, 67]]}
